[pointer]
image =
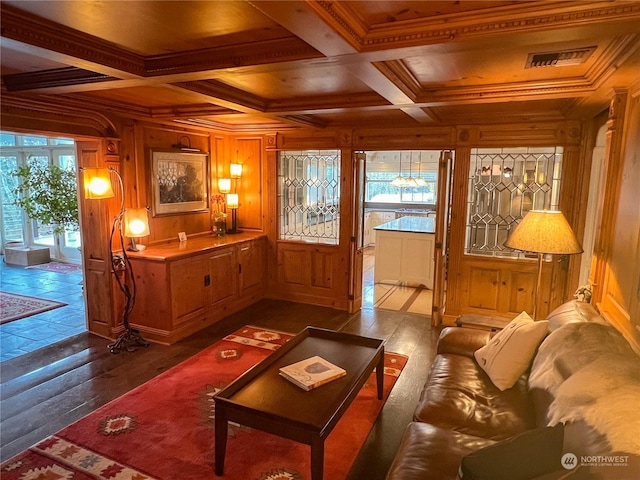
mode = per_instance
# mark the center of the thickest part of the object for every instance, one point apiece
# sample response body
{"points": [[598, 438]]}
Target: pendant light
{"points": [[399, 181], [411, 182], [420, 181]]}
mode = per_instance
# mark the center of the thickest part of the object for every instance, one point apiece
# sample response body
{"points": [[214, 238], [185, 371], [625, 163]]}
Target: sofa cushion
{"points": [[431, 453], [509, 353], [525, 456], [573, 311], [459, 395], [587, 376], [462, 341]]}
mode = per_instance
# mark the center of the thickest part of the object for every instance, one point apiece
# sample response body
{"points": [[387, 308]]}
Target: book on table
{"points": [[312, 372]]}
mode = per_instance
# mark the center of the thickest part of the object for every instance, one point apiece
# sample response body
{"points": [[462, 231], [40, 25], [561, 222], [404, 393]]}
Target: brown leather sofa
{"points": [[461, 411]]}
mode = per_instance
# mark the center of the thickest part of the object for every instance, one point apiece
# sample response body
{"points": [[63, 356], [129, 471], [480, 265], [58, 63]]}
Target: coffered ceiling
{"points": [[241, 65]]}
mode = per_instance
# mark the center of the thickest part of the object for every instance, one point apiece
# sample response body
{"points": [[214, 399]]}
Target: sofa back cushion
{"points": [[573, 311]]}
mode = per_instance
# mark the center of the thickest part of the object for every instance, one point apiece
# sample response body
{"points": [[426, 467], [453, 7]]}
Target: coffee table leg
{"points": [[221, 428], [380, 376], [317, 458]]}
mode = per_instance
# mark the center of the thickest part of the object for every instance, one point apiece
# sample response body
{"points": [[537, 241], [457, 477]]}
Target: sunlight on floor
{"points": [[392, 297]]}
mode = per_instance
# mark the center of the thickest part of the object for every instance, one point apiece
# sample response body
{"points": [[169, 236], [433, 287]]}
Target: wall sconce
{"points": [[235, 170], [232, 203], [136, 225], [224, 185], [184, 147], [98, 185]]}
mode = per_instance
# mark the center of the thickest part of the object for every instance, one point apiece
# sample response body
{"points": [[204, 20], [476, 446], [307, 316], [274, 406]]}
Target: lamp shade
{"points": [[97, 183], [232, 200], [544, 231], [136, 222], [224, 185], [235, 170], [399, 181]]}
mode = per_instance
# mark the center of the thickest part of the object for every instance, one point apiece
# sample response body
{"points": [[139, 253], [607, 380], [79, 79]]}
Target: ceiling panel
{"points": [[300, 82], [147, 96], [157, 27], [14, 61]]}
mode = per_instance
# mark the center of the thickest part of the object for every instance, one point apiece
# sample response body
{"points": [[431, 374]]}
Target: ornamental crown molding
{"points": [[490, 22]]}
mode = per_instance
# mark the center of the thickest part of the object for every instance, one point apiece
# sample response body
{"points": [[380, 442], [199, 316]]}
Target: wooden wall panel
{"points": [[416, 138], [616, 276], [292, 265], [520, 297], [95, 221], [483, 288], [148, 137], [249, 154], [322, 269]]}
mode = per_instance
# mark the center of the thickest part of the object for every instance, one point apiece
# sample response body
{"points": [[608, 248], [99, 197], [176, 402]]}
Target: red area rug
{"points": [[58, 267], [164, 429], [14, 306]]}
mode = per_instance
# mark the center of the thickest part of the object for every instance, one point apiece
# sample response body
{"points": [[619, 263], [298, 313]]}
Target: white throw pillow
{"points": [[510, 352]]}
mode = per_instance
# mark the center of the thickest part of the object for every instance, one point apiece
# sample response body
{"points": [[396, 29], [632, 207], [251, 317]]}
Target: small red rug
{"points": [[14, 306], [58, 267], [164, 429]]}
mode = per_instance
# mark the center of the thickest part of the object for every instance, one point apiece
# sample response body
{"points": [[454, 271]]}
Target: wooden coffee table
{"points": [[263, 400]]}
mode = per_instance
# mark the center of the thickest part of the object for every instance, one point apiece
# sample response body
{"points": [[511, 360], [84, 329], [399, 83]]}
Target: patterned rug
{"points": [[58, 267], [164, 429], [14, 306]]}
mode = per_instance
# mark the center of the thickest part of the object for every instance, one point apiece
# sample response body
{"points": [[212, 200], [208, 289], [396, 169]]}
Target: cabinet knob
{"points": [[207, 280]]}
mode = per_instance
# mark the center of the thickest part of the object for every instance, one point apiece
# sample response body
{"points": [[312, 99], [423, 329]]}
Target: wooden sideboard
{"points": [[183, 287]]}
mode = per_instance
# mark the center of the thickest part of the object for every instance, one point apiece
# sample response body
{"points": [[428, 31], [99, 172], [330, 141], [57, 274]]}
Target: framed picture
{"points": [[180, 182]]}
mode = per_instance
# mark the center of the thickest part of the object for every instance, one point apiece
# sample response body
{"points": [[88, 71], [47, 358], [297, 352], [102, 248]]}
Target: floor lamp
{"points": [[543, 232], [97, 185]]}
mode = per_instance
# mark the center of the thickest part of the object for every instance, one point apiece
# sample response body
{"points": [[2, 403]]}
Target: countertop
{"points": [[173, 250], [409, 224]]}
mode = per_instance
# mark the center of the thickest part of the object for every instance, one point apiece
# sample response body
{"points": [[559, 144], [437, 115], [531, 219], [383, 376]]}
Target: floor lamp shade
{"points": [[544, 231]]}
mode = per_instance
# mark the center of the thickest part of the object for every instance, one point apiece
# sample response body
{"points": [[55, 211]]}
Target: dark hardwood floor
{"points": [[46, 390]]}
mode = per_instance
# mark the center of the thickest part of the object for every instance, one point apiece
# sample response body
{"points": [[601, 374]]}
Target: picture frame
{"points": [[179, 182]]}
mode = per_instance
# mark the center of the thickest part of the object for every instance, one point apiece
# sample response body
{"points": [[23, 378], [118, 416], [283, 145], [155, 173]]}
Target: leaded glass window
{"points": [[504, 184], [309, 195]]}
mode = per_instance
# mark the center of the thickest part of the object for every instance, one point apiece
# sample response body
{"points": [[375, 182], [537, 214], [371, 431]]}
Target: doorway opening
{"points": [[58, 276], [400, 195]]}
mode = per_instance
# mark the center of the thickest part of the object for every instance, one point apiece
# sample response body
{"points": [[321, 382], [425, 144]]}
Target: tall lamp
{"points": [[543, 232], [97, 184]]}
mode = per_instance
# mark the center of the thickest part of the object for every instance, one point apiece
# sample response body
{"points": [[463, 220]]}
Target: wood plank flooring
{"points": [[43, 391]]}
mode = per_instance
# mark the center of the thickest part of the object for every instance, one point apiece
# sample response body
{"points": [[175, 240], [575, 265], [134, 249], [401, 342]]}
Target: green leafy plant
{"points": [[49, 194]]}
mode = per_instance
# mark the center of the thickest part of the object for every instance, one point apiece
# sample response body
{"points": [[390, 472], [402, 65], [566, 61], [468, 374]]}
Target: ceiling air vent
{"points": [[560, 58]]}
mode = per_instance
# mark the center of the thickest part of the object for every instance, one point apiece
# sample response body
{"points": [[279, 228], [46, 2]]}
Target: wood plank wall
{"points": [[616, 267], [319, 274]]}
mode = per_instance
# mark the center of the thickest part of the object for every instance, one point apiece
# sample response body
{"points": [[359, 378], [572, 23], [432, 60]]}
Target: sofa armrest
{"points": [[462, 341]]}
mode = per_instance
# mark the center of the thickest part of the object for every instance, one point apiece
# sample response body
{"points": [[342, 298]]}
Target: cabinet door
{"points": [[251, 260], [187, 289], [223, 269]]}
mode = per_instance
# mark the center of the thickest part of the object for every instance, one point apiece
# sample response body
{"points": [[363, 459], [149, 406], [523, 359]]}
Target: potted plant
{"points": [[49, 194]]}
